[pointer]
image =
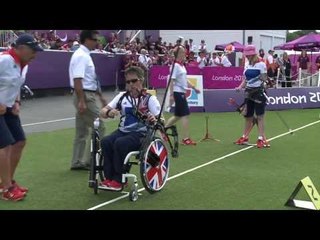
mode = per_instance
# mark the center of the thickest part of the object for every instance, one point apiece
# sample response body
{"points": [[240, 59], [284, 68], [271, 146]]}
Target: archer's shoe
{"points": [[242, 141]]}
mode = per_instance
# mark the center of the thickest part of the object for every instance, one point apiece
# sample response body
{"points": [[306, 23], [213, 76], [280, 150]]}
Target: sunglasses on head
{"points": [[132, 80]]}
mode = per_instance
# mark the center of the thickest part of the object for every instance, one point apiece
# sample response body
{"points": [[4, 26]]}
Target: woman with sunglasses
{"points": [[128, 137]]}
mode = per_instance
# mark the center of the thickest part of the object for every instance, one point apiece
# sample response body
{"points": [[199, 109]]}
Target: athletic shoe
{"points": [[266, 143], [188, 141], [260, 143], [13, 194], [22, 189], [114, 185], [242, 141]]}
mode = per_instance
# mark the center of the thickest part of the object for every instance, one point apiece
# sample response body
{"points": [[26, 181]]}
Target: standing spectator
{"points": [[318, 63], [304, 63], [13, 70], [84, 82], [177, 89], [270, 65], [261, 56], [286, 70]]}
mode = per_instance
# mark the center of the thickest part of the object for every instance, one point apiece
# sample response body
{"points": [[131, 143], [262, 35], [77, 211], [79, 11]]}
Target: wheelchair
{"points": [[153, 159]]}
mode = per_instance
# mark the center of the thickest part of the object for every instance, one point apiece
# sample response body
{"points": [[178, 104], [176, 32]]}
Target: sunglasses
{"points": [[94, 39], [132, 80]]}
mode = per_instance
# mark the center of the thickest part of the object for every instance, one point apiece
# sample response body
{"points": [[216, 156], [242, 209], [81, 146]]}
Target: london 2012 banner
{"points": [[193, 99]]}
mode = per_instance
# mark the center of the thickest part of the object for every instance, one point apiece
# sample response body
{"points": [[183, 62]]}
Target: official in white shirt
{"points": [[84, 82]]}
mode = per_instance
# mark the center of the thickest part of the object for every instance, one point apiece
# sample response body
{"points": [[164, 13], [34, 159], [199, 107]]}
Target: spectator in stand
{"points": [[202, 46], [37, 36], [51, 36], [168, 58], [261, 56], [224, 60], [193, 47], [214, 60], [304, 63], [67, 46], [147, 42], [201, 59], [75, 46], [57, 45], [187, 47], [144, 60], [44, 44], [192, 61], [100, 48], [152, 58]]}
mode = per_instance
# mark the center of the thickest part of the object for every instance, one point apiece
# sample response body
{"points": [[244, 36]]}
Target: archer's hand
{"points": [[3, 109], [82, 106], [16, 109], [197, 90], [151, 118]]}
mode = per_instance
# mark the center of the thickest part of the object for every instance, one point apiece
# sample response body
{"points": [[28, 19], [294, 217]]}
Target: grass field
{"points": [[251, 179]]}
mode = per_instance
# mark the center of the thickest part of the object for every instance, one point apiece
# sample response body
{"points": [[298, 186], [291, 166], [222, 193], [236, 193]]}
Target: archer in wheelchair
{"points": [[141, 133]]}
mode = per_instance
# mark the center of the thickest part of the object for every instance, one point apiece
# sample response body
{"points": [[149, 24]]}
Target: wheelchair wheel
{"points": [[154, 166], [133, 194]]}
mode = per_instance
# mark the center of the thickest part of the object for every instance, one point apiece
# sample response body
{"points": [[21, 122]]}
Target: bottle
{"points": [[96, 123]]}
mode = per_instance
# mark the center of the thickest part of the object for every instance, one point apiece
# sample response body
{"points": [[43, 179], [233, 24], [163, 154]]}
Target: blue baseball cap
{"points": [[28, 40]]}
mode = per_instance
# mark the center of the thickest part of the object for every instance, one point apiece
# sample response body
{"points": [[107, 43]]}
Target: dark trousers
{"points": [[287, 83], [115, 148]]}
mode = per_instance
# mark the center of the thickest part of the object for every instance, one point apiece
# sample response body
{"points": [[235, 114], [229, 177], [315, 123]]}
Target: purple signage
{"points": [[50, 69], [286, 98], [221, 77], [213, 77], [158, 76]]}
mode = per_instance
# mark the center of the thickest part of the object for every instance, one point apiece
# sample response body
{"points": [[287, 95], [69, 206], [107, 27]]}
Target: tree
{"points": [[297, 34]]}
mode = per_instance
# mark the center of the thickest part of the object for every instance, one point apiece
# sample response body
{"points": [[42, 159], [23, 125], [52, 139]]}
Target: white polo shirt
{"points": [[81, 66], [179, 76], [11, 78]]}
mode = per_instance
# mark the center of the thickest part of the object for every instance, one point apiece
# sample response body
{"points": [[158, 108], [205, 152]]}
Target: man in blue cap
{"points": [[13, 70]]}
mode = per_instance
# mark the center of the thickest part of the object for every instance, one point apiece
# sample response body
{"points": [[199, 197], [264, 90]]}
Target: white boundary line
{"points": [[205, 164], [50, 121]]}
